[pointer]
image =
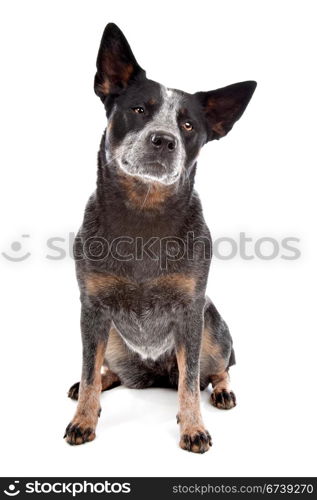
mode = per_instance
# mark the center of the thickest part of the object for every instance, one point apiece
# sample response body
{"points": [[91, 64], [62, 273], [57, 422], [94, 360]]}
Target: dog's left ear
{"points": [[223, 107], [116, 64]]}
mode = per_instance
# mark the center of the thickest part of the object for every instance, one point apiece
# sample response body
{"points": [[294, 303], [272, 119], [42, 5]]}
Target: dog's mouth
{"points": [[151, 171], [157, 166]]}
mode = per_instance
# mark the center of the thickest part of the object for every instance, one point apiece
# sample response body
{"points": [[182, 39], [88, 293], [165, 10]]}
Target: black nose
{"points": [[163, 141]]}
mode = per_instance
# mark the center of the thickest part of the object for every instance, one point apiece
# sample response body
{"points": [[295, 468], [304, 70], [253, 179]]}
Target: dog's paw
{"points": [[223, 399], [77, 434], [197, 441], [73, 391]]}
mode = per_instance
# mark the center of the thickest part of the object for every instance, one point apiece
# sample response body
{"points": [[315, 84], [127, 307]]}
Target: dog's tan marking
{"points": [[182, 282], [210, 348], [117, 72], [88, 407], [189, 411], [100, 282], [227, 108], [221, 381], [108, 379], [145, 196], [156, 196], [105, 87], [126, 73]]}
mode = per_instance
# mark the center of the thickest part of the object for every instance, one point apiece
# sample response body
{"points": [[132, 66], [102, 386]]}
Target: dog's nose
{"points": [[163, 141]]}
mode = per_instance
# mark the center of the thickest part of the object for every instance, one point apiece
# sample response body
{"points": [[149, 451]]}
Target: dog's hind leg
{"points": [[109, 380], [216, 356]]}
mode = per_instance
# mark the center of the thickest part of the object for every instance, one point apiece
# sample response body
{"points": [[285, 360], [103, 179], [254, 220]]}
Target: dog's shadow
{"points": [[156, 405]]}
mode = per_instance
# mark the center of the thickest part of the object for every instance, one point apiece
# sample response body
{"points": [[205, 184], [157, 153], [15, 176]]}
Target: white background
{"points": [[260, 180]]}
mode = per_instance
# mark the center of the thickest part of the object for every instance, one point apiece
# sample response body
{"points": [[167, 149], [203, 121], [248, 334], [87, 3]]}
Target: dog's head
{"points": [[155, 133]]}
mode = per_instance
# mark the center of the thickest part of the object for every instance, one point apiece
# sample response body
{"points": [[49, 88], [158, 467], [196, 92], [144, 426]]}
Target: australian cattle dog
{"points": [[143, 250]]}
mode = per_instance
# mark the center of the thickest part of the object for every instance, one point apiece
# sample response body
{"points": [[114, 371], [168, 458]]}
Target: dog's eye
{"points": [[187, 126], [138, 109]]}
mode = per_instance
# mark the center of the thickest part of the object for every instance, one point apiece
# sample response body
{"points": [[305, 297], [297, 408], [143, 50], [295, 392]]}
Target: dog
{"points": [[143, 251]]}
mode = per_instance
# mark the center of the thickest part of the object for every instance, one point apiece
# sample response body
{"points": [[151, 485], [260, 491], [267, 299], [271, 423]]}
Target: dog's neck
{"points": [[133, 198]]}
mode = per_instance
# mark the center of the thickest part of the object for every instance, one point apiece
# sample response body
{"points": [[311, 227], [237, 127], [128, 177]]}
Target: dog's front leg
{"points": [[95, 326], [193, 435]]}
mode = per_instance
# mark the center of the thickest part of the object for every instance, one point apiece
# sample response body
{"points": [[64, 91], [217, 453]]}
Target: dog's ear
{"points": [[116, 64], [223, 107]]}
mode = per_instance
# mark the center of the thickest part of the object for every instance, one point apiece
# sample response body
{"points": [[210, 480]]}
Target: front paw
{"points": [[78, 434], [196, 440]]}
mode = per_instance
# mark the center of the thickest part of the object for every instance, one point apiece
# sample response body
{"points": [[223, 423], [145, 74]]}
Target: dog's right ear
{"points": [[116, 64]]}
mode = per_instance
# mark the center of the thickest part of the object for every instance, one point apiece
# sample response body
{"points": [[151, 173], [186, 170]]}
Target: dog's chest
{"points": [[144, 313], [150, 334]]}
